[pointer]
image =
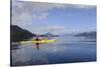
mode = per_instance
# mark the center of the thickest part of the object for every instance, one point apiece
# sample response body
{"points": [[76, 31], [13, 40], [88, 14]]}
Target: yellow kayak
{"points": [[41, 41], [44, 41]]}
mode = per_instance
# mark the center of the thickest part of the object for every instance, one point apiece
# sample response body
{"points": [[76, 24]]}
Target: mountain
{"points": [[87, 34], [49, 35], [19, 34]]}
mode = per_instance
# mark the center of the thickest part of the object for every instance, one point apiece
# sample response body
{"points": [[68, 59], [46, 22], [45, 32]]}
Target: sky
{"points": [[57, 18]]}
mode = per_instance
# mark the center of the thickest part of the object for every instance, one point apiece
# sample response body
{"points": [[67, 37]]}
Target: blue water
{"points": [[67, 49]]}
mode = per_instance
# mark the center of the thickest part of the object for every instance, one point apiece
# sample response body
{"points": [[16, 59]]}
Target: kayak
{"points": [[41, 41], [44, 41]]}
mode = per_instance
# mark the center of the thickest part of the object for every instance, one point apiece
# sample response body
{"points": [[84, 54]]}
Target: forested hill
{"points": [[19, 34]]}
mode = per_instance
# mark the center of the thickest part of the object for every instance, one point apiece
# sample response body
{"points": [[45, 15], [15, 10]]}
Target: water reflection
{"points": [[38, 46], [64, 50]]}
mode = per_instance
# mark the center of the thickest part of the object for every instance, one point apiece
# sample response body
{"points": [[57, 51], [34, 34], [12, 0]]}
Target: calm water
{"points": [[67, 49]]}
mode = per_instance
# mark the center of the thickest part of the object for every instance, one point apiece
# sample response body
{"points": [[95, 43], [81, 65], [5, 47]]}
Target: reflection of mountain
{"points": [[87, 35], [18, 34]]}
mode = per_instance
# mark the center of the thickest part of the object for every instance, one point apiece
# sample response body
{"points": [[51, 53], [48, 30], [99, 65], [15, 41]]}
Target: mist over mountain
{"points": [[48, 34], [91, 34]]}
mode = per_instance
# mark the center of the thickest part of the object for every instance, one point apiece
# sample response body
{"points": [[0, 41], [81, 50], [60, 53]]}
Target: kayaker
{"points": [[37, 38]]}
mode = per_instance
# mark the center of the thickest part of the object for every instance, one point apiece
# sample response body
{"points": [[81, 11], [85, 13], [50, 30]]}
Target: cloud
{"points": [[40, 16], [33, 16], [34, 7], [57, 27], [44, 28], [24, 14], [37, 10], [86, 7]]}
